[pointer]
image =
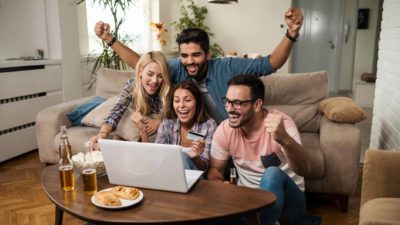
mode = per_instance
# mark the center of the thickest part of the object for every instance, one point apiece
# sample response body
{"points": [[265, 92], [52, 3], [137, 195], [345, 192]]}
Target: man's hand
{"points": [[294, 21], [151, 125], [102, 30], [275, 126]]}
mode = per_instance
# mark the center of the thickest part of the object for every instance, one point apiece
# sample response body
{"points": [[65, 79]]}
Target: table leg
{"points": [[254, 219], [59, 216]]}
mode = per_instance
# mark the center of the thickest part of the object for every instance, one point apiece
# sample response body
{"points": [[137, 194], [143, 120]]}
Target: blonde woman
{"points": [[145, 94]]}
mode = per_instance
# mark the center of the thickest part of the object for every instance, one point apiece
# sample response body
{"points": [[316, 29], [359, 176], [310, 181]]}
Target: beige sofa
{"points": [[380, 194], [333, 148], [109, 83]]}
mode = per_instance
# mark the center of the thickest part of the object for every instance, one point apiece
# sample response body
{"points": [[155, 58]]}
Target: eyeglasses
{"points": [[236, 104]]}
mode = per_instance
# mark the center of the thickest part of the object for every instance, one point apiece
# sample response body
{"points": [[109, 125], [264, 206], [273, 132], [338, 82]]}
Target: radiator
{"points": [[25, 91]]}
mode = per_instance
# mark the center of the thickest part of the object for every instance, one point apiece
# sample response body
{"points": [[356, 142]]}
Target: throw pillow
{"points": [[76, 115], [128, 130], [342, 109], [96, 116]]}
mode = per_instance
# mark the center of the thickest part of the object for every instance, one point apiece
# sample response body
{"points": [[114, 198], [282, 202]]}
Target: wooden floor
{"points": [[23, 202]]}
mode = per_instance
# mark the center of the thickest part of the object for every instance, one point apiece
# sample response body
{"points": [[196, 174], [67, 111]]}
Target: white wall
{"points": [[386, 121], [250, 26], [366, 39], [21, 29], [27, 25], [348, 47]]}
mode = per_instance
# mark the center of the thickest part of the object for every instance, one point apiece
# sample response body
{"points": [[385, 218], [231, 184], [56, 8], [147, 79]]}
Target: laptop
{"points": [[147, 165]]}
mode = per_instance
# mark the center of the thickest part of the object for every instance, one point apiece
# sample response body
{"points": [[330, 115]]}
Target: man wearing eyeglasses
{"points": [[265, 147]]}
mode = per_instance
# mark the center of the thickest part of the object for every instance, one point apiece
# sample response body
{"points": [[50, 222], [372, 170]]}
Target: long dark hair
{"points": [[201, 114]]}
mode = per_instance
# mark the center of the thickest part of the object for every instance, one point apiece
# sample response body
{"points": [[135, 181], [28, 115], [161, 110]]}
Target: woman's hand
{"points": [[137, 119], [93, 141], [197, 148], [151, 125]]}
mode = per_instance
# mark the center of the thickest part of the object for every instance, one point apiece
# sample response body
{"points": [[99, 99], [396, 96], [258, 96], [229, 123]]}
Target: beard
{"points": [[201, 69], [243, 118]]}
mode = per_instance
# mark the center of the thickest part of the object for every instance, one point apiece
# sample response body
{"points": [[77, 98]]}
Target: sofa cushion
{"points": [[313, 151], [342, 110], [380, 211], [126, 128], [110, 82], [298, 96], [96, 117]]}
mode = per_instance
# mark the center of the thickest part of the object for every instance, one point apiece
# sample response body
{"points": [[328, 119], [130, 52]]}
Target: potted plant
{"points": [[193, 16], [108, 58]]}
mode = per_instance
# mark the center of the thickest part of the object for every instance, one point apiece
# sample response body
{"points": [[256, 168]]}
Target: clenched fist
{"points": [[294, 20], [102, 30]]}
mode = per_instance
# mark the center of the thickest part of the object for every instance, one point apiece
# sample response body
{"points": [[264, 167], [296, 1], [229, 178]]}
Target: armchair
{"points": [[380, 193]]}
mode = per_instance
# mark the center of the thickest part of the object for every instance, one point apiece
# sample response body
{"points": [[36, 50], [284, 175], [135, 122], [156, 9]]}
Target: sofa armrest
{"points": [[341, 145], [48, 122], [380, 175]]}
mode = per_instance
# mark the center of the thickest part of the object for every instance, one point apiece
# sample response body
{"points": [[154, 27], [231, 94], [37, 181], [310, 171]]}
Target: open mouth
{"points": [[183, 113], [192, 68], [152, 87]]}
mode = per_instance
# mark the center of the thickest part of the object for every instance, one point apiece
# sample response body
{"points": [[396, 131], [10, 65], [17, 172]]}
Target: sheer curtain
{"points": [[136, 25]]}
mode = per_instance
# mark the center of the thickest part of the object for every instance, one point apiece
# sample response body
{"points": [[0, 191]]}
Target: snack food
{"points": [[107, 198], [129, 193]]}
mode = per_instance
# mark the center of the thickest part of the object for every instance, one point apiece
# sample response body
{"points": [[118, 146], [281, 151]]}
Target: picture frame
{"points": [[363, 18]]}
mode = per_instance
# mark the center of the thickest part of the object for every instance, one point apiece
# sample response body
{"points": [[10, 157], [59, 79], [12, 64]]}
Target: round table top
{"points": [[207, 200]]}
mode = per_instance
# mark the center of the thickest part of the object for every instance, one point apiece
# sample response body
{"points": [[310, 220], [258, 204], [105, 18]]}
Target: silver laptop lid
{"points": [[144, 165]]}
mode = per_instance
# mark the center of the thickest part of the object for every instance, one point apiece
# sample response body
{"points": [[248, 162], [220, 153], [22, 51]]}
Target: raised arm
{"points": [[130, 57], [294, 20]]}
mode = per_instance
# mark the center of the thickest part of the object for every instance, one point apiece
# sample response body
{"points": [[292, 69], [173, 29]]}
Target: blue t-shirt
{"points": [[220, 71]]}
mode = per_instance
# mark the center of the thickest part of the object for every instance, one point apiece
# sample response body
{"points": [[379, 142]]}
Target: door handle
{"points": [[332, 45]]}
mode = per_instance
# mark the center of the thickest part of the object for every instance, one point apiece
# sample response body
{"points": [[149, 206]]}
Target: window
{"points": [[136, 25]]}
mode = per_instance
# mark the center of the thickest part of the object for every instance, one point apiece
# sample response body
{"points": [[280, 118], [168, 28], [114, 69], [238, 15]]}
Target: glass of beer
{"points": [[89, 172], [66, 177], [233, 176]]}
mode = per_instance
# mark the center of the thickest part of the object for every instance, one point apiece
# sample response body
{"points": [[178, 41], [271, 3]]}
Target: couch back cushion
{"points": [[111, 82], [297, 95]]}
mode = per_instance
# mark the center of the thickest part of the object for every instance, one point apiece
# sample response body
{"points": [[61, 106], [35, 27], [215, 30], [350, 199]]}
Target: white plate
{"points": [[124, 202]]}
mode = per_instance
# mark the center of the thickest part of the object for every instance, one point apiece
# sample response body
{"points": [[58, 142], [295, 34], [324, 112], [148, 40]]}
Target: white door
{"points": [[320, 42]]}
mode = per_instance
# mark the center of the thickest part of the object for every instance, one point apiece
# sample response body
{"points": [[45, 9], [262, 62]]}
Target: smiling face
{"points": [[239, 117], [151, 78], [184, 104], [194, 59]]}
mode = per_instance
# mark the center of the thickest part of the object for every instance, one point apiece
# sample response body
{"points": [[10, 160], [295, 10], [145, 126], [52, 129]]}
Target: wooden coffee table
{"points": [[206, 201]]}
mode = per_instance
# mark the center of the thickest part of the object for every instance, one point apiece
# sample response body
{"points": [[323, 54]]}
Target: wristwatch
{"points": [[293, 39], [113, 40]]}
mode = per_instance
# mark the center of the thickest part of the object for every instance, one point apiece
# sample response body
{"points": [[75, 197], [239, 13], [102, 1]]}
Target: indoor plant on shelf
{"points": [[193, 16], [108, 58]]}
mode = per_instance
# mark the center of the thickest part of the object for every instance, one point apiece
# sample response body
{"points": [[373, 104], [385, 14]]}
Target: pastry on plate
{"points": [[107, 198], [129, 193]]}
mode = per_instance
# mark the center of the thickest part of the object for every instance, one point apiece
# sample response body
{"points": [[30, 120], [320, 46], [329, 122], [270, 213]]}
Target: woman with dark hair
{"points": [[187, 114]]}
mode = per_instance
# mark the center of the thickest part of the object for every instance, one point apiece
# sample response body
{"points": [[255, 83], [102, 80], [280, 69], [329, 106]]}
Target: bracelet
{"points": [[293, 39], [113, 40]]}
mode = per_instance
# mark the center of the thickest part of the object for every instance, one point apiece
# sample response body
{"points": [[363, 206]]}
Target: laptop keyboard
{"points": [[191, 176]]}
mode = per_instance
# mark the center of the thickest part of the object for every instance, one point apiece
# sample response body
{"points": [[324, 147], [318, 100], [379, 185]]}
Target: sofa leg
{"points": [[343, 202]]}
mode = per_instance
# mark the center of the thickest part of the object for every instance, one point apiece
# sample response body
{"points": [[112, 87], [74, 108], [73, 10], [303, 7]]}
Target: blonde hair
{"points": [[139, 94]]}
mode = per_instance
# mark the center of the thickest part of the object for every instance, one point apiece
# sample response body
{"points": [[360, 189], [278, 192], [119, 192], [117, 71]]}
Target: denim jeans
{"points": [[188, 164], [290, 202]]}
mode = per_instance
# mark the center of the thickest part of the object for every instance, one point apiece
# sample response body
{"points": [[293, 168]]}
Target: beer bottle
{"points": [[66, 168], [64, 136]]}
